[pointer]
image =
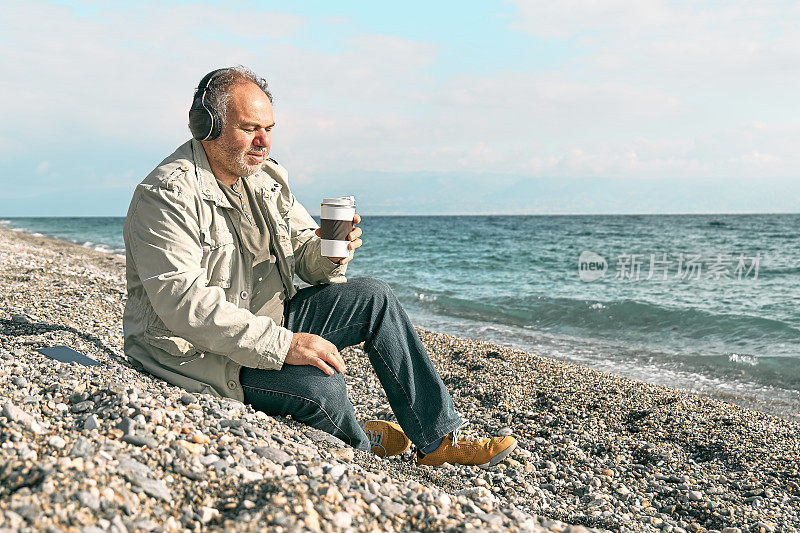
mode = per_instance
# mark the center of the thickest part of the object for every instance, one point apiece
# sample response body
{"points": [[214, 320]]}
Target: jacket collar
{"points": [[209, 186]]}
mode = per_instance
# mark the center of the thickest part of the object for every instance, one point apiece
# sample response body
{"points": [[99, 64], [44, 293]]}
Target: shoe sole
{"points": [[500, 456]]}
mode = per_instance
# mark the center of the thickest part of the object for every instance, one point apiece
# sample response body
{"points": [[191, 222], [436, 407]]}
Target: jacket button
{"points": [[184, 167], [231, 384], [244, 295]]}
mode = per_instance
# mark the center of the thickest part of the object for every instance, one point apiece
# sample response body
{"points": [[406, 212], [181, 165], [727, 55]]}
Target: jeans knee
{"points": [[330, 391], [372, 287]]}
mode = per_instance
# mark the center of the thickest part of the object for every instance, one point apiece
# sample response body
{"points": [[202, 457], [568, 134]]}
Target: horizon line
{"points": [[462, 214]]}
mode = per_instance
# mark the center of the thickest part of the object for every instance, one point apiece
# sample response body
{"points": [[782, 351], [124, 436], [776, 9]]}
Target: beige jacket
{"points": [[187, 317]]}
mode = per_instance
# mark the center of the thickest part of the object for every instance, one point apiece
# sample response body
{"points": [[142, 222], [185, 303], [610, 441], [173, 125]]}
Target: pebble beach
{"points": [[107, 448]]}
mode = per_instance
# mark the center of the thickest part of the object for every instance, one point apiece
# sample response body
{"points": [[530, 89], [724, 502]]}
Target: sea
{"points": [[703, 303]]}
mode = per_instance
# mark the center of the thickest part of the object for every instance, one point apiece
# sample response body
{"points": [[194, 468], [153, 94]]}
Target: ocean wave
{"points": [[105, 248], [743, 359], [639, 322], [772, 384]]}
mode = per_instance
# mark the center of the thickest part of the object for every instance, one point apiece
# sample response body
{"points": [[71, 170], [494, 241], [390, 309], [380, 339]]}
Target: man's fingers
{"points": [[355, 234], [329, 353], [322, 365], [352, 245], [334, 358], [340, 363], [356, 218]]}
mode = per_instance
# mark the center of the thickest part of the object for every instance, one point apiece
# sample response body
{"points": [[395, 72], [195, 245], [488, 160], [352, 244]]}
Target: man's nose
{"points": [[261, 138]]}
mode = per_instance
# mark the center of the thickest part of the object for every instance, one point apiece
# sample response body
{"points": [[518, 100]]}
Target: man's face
{"points": [[245, 139]]}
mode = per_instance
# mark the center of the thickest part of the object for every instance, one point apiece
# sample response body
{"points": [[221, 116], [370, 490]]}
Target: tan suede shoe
{"points": [[386, 438], [463, 450]]}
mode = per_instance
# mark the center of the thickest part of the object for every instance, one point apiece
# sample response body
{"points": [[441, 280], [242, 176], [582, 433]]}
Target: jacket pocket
{"points": [[169, 342], [218, 255]]}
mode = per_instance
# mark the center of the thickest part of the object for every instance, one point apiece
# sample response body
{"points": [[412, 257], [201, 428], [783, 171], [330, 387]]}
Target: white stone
{"points": [[250, 476], [207, 514], [342, 520], [209, 459], [445, 500]]}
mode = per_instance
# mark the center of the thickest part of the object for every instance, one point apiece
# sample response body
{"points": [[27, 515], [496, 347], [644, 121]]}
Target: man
{"points": [[213, 239]]}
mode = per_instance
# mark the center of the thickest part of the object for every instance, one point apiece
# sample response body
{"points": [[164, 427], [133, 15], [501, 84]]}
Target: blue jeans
{"points": [[361, 310]]}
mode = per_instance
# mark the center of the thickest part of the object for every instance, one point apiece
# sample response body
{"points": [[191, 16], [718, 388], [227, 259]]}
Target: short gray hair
{"points": [[218, 93]]}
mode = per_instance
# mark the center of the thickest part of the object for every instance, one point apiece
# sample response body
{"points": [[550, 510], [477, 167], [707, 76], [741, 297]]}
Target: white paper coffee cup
{"points": [[336, 223]]}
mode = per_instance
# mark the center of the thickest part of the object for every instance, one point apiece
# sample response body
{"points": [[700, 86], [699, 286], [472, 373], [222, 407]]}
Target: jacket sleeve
{"points": [[165, 239]]}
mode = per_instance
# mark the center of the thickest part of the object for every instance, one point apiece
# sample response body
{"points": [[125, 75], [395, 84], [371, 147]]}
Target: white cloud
{"points": [[673, 42], [118, 75], [43, 167], [560, 20], [659, 90]]}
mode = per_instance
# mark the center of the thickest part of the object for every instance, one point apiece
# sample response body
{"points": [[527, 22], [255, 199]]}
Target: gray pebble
{"points": [[127, 426], [188, 399], [15, 414], [91, 423], [275, 455], [81, 407], [89, 500], [153, 487], [82, 448], [139, 439]]}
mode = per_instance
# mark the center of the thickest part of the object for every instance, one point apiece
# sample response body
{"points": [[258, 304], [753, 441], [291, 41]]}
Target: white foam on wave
{"points": [[105, 248], [743, 359], [618, 359]]}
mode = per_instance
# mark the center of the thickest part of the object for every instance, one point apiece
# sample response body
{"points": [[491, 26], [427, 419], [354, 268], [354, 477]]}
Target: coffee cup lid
{"points": [[344, 201]]}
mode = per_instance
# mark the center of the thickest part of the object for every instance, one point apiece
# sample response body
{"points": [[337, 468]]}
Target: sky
{"points": [[511, 107]]}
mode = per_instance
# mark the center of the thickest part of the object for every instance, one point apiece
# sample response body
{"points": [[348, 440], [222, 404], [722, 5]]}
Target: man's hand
{"points": [[310, 349], [355, 242]]}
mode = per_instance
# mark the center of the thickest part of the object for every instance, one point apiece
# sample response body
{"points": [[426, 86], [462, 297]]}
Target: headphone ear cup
{"points": [[216, 125], [205, 122], [200, 122]]}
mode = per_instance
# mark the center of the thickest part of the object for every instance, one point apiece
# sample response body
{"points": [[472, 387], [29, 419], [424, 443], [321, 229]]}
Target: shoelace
{"points": [[375, 439], [457, 435]]}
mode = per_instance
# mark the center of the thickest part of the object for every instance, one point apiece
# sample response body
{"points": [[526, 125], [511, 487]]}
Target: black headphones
{"points": [[205, 122]]}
